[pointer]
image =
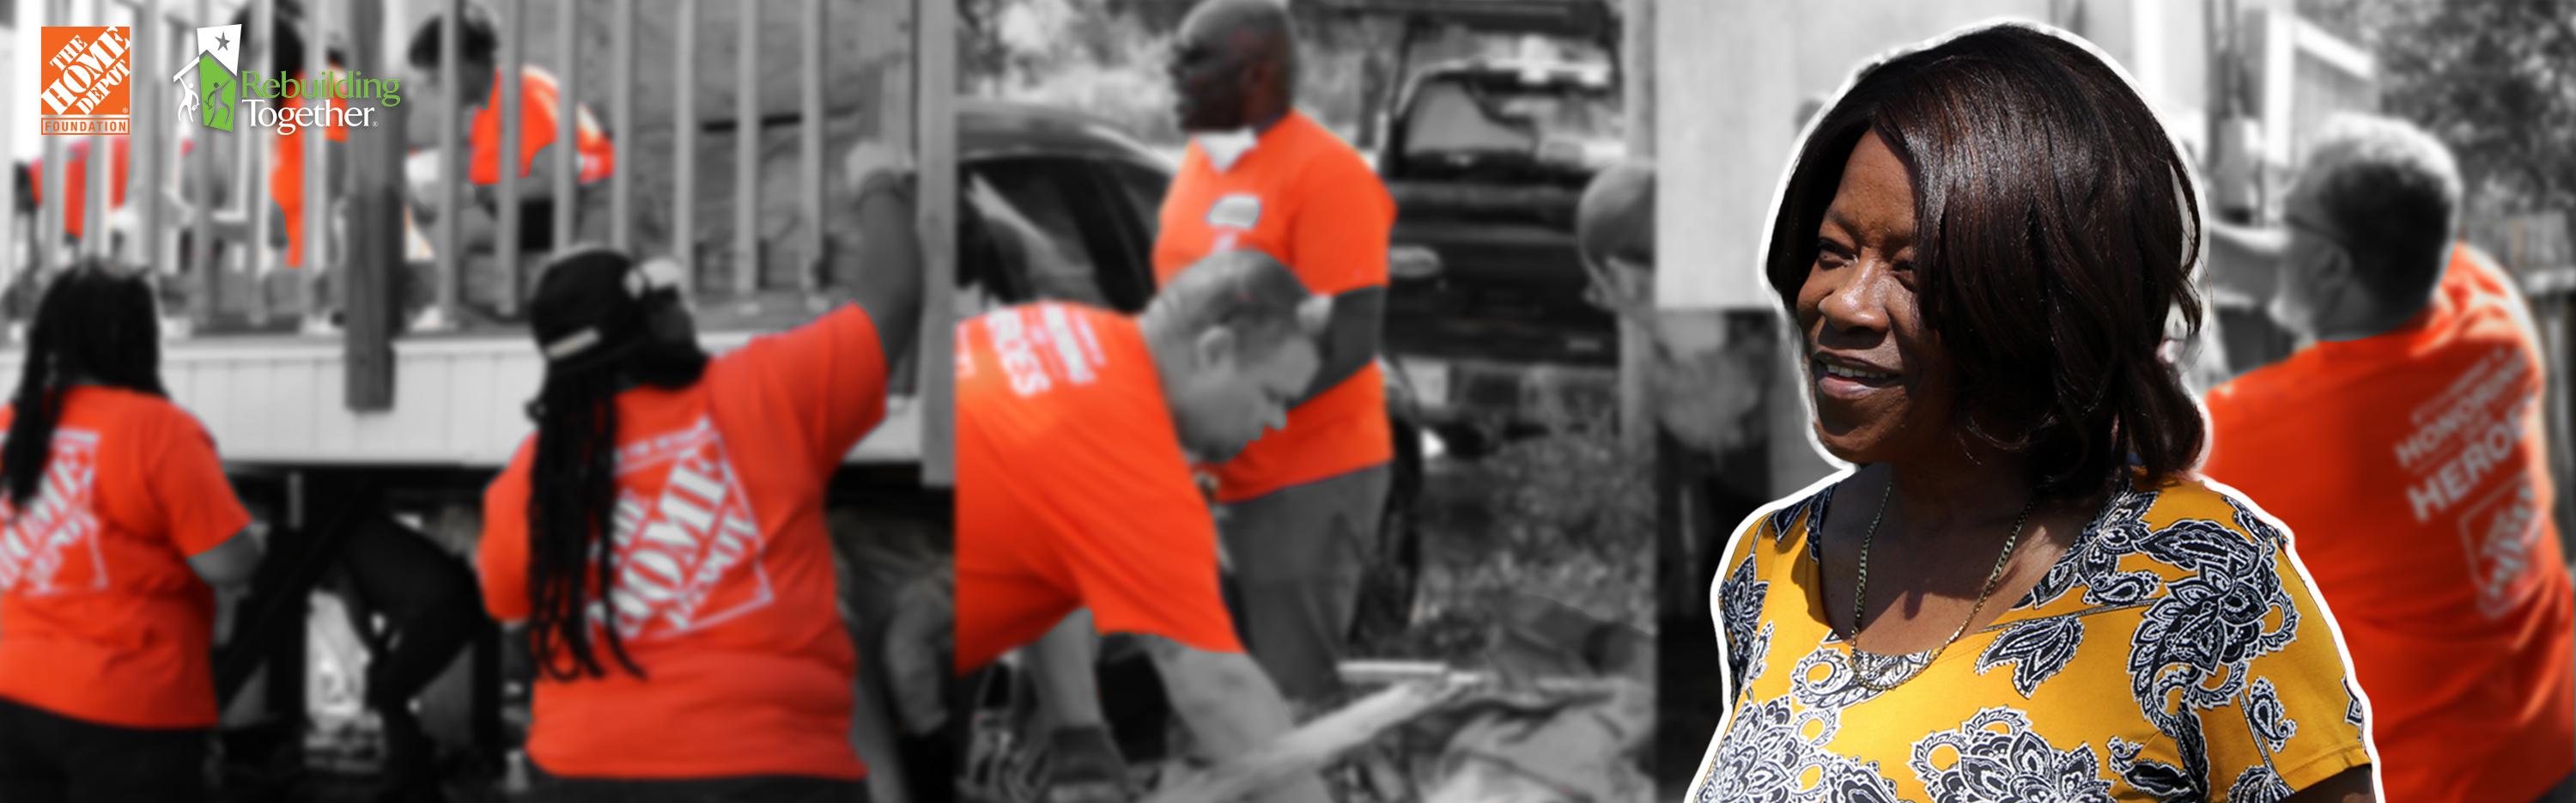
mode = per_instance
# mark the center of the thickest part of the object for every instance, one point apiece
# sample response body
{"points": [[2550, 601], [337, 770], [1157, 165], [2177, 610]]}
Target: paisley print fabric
{"points": [[2174, 653]]}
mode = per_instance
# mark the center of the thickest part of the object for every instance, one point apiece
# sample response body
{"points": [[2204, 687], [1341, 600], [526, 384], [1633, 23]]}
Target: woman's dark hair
{"points": [[2055, 228], [93, 326], [479, 42], [590, 298]]}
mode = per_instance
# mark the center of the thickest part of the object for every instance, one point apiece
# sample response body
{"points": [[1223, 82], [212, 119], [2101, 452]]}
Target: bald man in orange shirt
{"points": [[1301, 506]]}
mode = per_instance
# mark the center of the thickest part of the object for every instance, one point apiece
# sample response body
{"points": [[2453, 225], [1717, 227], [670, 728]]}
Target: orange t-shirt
{"points": [[1072, 489], [286, 176], [2411, 466], [725, 589], [1302, 196], [539, 104], [100, 617]]}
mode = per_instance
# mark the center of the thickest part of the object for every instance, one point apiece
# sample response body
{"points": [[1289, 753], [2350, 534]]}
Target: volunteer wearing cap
{"points": [[1075, 431], [1302, 504], [2404, 444], [711, 663], [117, 530]]}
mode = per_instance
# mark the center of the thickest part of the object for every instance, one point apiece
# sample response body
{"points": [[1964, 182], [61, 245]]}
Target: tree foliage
{"points": [[1106, 58], [2496, 79]]}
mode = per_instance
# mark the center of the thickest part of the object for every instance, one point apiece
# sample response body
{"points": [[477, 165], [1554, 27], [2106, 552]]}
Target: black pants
{"points": [[748, 789], [46, 758], [2564, 792], [431, 608]]}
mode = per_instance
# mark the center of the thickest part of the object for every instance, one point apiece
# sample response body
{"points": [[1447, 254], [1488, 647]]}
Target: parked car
{"points": [[1488, 318]]}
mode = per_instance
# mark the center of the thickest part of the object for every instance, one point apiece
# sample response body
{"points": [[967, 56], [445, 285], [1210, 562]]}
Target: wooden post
{"points": [[684, 142], [95, 230], [621, 80], [152, 126], [317, 172], [50, 228], [513, 56], [94, 207], [2221, 58], [935, 144], [567, 123], [203, 200], [809, 265], [746, 157], [250, 155], [451, 159], [375, 246]]}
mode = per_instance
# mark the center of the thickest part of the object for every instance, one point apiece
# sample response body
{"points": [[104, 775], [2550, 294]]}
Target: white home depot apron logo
{"points": [[84, 85], [265, 101], [51, 546], [688, 556]]}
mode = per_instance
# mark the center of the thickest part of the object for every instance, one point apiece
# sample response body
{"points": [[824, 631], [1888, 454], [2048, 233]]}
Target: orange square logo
{"points": [[83, 86]]}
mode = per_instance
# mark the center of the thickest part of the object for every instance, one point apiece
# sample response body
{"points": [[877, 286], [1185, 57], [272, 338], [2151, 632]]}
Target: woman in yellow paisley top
{"points": [[2021, 592]]}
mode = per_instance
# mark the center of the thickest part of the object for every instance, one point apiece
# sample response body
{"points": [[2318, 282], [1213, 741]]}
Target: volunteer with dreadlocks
{"points": [[118, 520], [713, 665]]}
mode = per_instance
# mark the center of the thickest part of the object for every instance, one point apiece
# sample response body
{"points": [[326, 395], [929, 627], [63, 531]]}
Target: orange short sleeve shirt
{"points": [[100, 617], [1306, 198], [1072, 488], [725, 593]]}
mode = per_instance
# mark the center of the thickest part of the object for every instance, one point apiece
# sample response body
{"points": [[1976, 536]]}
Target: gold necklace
{"points": [[1870, 670]]}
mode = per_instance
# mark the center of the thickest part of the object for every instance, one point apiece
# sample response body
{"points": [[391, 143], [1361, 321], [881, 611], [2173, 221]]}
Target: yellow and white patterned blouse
{"points": [[2174, 653]]}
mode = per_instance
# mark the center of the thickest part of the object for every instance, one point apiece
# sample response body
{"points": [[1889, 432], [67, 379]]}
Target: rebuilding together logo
{"points": [[221, 85], [88, 72]]}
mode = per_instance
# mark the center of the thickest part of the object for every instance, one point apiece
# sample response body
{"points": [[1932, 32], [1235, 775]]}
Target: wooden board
{"points": [[1308, 747]]}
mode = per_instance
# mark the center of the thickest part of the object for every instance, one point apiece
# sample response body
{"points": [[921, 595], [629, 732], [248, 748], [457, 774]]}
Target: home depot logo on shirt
{"points": [[52, 546], [1023, 346], [83, 85], [2462, 439], [688, 551]]}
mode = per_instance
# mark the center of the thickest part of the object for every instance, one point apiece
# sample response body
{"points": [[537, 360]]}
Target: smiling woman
{"points": [[1979, 244]]}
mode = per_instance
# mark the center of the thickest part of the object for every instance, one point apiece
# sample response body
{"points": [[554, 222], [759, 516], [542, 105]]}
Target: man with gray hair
{"points": [[1076, 506], [2403, 443]]}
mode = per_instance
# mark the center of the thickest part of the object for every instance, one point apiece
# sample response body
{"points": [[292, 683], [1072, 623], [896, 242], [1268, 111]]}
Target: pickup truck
{"points": [[1487, 319]]}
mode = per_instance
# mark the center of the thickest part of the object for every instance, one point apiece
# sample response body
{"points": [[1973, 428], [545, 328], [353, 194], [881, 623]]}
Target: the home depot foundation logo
{"points": [[225, 97], [83, 85]]}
